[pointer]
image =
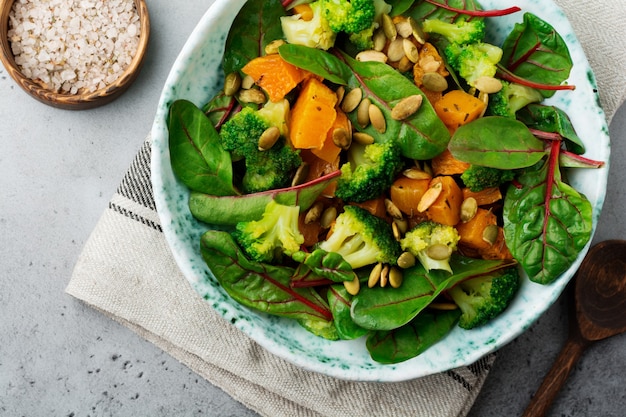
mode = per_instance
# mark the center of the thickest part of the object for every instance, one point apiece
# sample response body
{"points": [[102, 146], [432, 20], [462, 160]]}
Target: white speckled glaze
{"points": [[196, 76]]}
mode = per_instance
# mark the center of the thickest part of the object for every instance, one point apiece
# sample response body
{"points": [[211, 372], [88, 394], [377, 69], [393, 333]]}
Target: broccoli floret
{"points": [[314, 33], [432, 243], [460, 32], [369, 171], [474, 60], [364, 39], [361, 238], [478, 177], [349, 16], [277, 232], [483, 298], [511, 98], [265, 170]]}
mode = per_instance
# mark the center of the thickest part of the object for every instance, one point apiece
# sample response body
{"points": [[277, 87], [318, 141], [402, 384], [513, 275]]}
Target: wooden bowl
{"points": [[80, 100]]}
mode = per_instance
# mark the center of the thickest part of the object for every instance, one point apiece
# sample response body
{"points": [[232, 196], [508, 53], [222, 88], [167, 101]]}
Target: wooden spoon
{"points": [[600, 302]]}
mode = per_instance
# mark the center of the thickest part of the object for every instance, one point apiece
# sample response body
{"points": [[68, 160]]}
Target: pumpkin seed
{"points": [[395, 51], [405, 64], [392, 209], [397, 235], [410, 50], [268, 138], [395, 277], [379, 39], [469, 208], [435, 82], [314, 213], [351, 100], [407, 107], [247, 82], [363, 115], [402, 225], [328, 217], [404, 29], [232, 84], [430, 196], [371, 56], [340, 93], [489, 85], [406, 260], [301, 174], [272, 47], [353, 286], [375, 275], [384, 276], [252, 96], [362, 138], [342, 138], [389, 28], [439, 252], [416, 29], [416, 174], [377, 118], [490, 234]]}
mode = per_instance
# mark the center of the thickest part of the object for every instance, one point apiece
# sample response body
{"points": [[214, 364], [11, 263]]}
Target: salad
{"points": [[375, 167]]}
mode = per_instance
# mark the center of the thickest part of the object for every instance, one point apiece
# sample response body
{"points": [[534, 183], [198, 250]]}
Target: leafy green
{"points": [[254, 27], [497, 142], [196, 155], [256, 285], [218, 210], [406, 342], [386, 308], [535, 51], [340, 301], [552, 119], [546, 222]]}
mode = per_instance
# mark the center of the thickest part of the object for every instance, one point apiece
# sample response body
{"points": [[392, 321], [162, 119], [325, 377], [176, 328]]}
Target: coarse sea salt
{"points": [[74, 46]]}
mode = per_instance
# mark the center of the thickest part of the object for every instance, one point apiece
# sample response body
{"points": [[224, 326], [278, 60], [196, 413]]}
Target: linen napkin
{"points": [[127, 272]]}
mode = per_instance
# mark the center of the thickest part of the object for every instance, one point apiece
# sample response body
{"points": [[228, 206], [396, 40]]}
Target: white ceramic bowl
{"points": [[197, 76]]}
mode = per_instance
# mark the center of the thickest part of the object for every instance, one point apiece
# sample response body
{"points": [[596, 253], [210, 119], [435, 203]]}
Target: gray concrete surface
{"points": [[58, 170]]}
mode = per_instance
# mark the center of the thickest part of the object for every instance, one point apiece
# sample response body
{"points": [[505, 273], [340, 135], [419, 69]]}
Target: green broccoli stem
{"points": [[477, 13], [507, 75]]}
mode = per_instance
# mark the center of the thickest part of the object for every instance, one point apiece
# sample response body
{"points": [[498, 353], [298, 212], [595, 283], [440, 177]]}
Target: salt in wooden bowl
{"points": [[83, 98]]}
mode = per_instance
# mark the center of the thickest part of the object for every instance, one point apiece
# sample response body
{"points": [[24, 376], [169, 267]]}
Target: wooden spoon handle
{"points": [[556, 377]]}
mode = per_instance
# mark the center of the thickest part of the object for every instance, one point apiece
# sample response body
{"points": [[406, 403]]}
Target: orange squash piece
{"points": [[498, 250], [310, 231], [446, 164], [274, 75], [447, 207], [471, 232], [457, 108], [484, 197], [406, 194], [312, 115], [329, 151], [375, 206], [305, 11]]}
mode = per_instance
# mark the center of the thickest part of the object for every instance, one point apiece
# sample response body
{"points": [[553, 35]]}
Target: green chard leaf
{"points": [[340, 301], [498, 142], [386, 308], [196, 155], [320, 266], [536, 52], [319, 62], [253, 28], [546, 221], [421, 10], [219, 108], [407, 342], [231, 210], [259, 286], [554, 120]]}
